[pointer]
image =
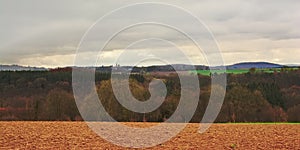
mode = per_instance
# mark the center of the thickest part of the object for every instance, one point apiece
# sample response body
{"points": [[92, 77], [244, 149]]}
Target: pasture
{"points": [[241, 71]]}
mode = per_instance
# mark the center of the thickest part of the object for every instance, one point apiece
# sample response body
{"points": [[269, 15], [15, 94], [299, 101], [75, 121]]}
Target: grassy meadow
{"points": [[241, 71]]}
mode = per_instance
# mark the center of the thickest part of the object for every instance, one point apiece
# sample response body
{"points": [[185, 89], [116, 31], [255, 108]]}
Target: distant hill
{"points": [[20, 68], [157, 68], [292, 65], [248, 65]]}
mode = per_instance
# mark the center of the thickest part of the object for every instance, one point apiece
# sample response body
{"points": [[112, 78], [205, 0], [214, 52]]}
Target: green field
{"points": [[241, 71]]}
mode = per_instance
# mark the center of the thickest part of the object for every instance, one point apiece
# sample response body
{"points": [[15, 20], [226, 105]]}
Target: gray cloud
{"points": [[47, 33]]}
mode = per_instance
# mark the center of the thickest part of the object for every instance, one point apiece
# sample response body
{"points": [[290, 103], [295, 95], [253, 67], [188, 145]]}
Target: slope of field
{"points": [[76, 135], [241, 71]]}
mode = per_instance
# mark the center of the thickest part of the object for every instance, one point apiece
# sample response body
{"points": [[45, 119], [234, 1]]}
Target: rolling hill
{"points": [[259, 65]]}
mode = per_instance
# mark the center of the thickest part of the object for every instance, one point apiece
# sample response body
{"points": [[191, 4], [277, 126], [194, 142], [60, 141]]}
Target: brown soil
{"points": [[77, 135]]}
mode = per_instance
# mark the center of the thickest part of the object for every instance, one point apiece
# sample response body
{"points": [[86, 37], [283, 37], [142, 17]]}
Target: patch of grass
{"points": [[240, 71], [233, 146]]}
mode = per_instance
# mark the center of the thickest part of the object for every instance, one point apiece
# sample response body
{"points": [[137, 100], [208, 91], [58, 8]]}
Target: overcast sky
{"points": [[47, 33]]}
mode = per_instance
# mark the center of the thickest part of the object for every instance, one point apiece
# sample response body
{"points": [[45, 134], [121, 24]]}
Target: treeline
{"points": [[251, 97]]}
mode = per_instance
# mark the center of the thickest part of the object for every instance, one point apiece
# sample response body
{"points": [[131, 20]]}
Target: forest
{"points": [[250, 97]]}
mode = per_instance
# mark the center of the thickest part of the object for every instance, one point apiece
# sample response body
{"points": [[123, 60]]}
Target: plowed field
{"points": [[77, 135]]}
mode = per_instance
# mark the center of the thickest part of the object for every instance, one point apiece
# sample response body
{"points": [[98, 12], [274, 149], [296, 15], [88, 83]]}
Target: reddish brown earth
{"points": [[77, 135]]}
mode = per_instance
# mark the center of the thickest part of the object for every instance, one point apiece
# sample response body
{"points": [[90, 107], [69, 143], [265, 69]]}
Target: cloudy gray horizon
{"points": [[47, 33]]}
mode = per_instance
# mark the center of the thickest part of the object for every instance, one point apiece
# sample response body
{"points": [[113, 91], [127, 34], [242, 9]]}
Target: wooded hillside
{"points": [[251, 97]]}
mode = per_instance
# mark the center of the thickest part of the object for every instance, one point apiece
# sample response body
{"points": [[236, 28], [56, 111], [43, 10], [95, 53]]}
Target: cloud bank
{"points": [[47, 33]]}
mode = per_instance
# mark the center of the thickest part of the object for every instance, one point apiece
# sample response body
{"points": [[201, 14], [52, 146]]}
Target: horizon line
{"points": [[283, 64]]}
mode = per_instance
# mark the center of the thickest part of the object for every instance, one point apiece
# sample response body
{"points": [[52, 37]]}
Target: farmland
{"points": [[77, 135], [241, 71]]}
